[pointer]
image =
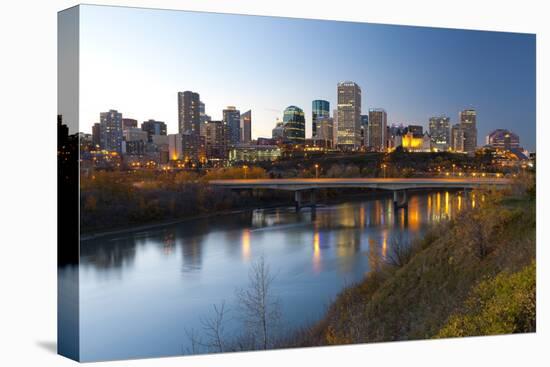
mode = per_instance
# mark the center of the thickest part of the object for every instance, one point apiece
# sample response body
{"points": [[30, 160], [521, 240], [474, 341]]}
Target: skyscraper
{"points": [[377, 128], [325, 130], [440, 132], [319, 109], [153, 127], [364, 130], [349, 115], [457, 138], [246, 127], [468, 124], [189, 113], [294, 125], [111, 130], [232, 118]]}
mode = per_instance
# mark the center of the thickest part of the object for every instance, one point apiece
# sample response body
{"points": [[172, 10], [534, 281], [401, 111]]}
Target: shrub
{"points": [[502, 305]]}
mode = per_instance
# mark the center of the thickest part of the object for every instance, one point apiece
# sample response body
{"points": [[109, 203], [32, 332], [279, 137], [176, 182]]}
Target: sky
{"points": [[136, 60]]}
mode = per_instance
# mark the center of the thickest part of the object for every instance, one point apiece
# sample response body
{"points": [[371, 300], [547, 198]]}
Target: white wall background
{"points": [[28, 181]]}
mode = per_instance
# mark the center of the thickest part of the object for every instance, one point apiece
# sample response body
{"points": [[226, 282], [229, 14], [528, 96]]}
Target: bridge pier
{"points": [[298, 200], [403, 204]]}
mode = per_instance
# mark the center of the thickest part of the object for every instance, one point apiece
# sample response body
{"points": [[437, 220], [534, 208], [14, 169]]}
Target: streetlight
{"points": [[384, 169], [245, 167], [454, 165], [316, 170]]}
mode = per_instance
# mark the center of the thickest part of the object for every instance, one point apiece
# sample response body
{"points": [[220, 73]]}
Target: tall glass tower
{"points": [[320, 110], [294, 124]]}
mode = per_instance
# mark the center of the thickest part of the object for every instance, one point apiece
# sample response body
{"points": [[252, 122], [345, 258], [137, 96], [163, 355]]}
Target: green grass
{"points": [[458, 281]]}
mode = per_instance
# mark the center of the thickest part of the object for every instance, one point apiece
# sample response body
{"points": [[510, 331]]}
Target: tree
{"points": [[260, 308], [214, 333], [214, 329]]}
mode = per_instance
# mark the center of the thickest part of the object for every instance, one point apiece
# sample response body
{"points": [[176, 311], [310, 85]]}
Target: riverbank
{"points": [[333, 199], [474, 275]]}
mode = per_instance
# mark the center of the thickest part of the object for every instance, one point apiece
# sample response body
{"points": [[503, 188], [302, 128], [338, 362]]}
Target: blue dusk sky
{"points": [[136, 60]]}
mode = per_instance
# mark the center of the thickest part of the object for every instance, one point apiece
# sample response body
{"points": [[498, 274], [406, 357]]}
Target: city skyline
{"points": [[493, 71]]}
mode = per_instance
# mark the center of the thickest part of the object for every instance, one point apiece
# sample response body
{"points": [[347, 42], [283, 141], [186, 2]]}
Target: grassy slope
{"points": [[437, 286]]}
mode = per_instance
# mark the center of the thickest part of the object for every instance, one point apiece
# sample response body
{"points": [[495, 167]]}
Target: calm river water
{"points": [[140, 291]]}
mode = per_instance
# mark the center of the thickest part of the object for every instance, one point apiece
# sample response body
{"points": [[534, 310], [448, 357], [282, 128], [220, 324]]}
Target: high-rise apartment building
{"points": [[189, 113], [111, 130]]}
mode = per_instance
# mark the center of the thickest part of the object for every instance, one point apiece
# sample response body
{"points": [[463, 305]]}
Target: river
{"points": [[140, 291]]}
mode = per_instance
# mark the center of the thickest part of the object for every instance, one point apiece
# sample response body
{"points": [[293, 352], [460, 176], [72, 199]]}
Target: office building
{"points": [[349, 115], [319, 109], [364, 130], [246, 127], [278, 132], [439, 128], [128, 123], [294, 125], [216, 136], [96, 135], [232, 119], [468, 124], [502, 139], [254, 153], [377, 128], [325, 131], [135, 134], [186, 147], [153, 127], [457, 138], [416, 130]]}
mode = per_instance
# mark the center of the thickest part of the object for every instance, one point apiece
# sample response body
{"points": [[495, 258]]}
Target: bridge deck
{"points": [[295, 184]]}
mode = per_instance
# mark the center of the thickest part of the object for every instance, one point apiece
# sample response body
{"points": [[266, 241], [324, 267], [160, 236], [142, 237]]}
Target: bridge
{"points": [[399, 186]]}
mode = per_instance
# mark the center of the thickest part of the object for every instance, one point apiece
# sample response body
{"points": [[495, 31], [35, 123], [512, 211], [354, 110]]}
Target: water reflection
{"points": [[316, 252], [245, 244], [179, 271]]}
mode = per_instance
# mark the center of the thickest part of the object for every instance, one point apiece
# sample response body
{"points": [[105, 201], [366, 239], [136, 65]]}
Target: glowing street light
{"points": [[384, 165], [245, 168], [316, 170]]}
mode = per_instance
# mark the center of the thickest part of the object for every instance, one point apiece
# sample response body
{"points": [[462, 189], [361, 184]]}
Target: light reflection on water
{"points": [[140, 291]]}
